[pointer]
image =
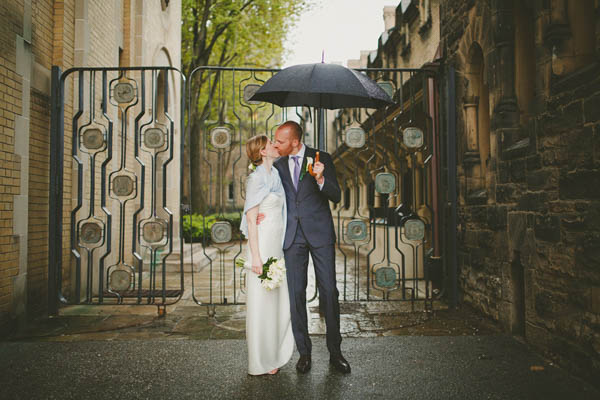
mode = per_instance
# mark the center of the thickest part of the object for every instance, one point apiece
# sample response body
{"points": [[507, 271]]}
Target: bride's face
{"points": [[270, 150]]}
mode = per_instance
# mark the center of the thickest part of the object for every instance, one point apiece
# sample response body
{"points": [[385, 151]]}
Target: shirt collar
{"points": [[300, 152]]}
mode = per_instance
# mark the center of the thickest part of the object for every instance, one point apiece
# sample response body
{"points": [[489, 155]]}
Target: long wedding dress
{"points": [[268, 324]]}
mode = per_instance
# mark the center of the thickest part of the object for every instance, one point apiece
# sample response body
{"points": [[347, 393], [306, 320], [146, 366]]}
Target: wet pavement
{"points": [[397, 367], [397, 349]]}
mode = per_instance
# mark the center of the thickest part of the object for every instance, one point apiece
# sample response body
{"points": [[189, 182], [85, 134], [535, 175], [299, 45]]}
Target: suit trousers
{"points": [[296, 259]]}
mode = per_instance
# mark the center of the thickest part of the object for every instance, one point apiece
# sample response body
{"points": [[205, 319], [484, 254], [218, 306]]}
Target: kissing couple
{"points": [[286, 214]]}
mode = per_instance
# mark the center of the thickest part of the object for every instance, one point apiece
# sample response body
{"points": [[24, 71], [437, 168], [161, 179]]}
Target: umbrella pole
{"points": [[321, 134]]}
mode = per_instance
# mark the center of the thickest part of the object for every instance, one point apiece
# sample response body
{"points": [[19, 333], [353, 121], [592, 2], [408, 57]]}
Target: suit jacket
{"points": [[308, 207]]}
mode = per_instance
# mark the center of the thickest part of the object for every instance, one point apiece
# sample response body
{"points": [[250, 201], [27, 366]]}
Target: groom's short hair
{"points": [[295, 128]]}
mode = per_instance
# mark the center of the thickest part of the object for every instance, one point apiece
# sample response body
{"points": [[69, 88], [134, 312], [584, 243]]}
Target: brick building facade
{"points": [[34, 36]]}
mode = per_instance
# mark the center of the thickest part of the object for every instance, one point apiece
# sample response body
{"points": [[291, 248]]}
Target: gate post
{"points": [[55, 191], [452, 195]]}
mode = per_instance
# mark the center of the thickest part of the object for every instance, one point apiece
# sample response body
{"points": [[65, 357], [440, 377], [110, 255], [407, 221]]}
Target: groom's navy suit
{"points": [[310, 229]]}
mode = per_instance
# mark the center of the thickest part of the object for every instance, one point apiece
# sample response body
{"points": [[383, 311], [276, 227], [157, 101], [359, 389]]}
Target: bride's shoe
{"points": [[276, 370]]}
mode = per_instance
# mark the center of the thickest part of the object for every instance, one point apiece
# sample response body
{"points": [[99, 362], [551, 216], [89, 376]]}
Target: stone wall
{"points": [[529, 179]]}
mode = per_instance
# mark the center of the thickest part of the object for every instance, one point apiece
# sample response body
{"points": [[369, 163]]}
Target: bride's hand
{"points": [[257, 266]]}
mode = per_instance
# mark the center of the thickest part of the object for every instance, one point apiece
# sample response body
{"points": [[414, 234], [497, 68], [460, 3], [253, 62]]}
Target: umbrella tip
{"points": [[323, 56]]}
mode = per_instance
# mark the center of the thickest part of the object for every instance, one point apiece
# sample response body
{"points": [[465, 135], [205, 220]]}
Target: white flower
{"points": [[275, 275], [309, 161], [251, 167]]}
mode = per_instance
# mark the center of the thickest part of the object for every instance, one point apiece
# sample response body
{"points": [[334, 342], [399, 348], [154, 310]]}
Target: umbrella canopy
{"points": [[322, 85]]}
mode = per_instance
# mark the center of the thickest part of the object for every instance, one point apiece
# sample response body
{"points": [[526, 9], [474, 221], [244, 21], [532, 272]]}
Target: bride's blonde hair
{"points": [[254, 146]]}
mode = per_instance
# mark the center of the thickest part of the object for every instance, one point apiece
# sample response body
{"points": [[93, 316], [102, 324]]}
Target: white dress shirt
{"points": [[291, 165]]}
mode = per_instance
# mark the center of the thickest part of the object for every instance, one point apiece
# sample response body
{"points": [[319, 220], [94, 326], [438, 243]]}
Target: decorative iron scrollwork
{"points": [[90, 234], [355, 138], [385, 277], [154, 138], [385, 182], [249, 91], [220, 137], [123, 185], [154, 231], [93, 138], [124, 92], [412, 137], [356, 230], [120, 280], [387, 87], [414, 229], [221, 232]]}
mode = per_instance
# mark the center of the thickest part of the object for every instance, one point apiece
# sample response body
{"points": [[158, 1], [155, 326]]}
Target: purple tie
{"points": [[296, 170]]}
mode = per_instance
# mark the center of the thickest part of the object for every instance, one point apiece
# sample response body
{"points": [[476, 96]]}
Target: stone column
{"points": [[506, 112], [471, 160]]}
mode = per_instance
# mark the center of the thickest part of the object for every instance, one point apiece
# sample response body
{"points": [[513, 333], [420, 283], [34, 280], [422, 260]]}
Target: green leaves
{"points": [[196, 227], [265, 273]]}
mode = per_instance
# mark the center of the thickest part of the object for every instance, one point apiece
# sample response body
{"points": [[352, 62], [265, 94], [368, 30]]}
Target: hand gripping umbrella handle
{"points": [[310, 170]]}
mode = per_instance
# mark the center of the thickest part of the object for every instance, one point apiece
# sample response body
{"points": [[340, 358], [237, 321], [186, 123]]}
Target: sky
{"points": [[340, 27]]}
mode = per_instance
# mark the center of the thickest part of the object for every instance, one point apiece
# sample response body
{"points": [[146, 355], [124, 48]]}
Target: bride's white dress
{"points": [[268, 324]]}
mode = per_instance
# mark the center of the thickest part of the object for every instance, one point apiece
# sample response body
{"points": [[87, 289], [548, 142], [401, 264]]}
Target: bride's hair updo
{"points": [[254, 146]]}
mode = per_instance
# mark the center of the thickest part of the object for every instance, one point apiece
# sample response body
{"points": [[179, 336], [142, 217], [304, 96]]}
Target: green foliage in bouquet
{"points": [[265, 273]]}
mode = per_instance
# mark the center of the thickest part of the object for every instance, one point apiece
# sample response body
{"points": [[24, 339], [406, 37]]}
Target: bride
{"points": [[268, 324]]}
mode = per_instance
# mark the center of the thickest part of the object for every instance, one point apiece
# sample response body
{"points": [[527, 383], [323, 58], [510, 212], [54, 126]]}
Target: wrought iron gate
{"points": [[128, 146], [124, 167]]}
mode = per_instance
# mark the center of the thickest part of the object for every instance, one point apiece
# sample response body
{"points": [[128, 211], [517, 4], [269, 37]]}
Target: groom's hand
{"points": [[318, 169], [260, 218]]}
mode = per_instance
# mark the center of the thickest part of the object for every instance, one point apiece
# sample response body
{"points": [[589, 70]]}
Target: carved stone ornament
{"points": [[123, 185], [385, 277], [412, 137], [385, 183], [249, 91], [221, 232], [93, 139], [414, 229], [153, 232], [120, 280], [356, 230], [355, 138], [124, 92], [154, 138], [220, 137], [90, 233]]}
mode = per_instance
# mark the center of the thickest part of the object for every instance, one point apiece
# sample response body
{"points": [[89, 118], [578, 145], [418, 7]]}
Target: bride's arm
{"points": [[256, 261]]}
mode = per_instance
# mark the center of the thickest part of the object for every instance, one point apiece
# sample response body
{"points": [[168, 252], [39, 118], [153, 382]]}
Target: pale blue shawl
{"points": [[258, 185]]}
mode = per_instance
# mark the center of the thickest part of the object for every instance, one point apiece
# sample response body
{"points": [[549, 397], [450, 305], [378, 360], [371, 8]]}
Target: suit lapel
{"points": [[285, 167]]}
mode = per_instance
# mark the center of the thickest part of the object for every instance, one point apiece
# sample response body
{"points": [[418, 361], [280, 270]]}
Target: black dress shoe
{"points": [[303, 365], [340, 363]]}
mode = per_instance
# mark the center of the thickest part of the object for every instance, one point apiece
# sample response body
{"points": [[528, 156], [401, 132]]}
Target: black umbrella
{"points": [[323, 86]]}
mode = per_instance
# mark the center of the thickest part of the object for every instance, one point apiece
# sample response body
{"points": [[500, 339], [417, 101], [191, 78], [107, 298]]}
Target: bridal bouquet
{"points": [[273, 272]]}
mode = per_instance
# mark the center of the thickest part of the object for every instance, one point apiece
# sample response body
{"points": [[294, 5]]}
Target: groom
{"points": [[309, 231]]}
